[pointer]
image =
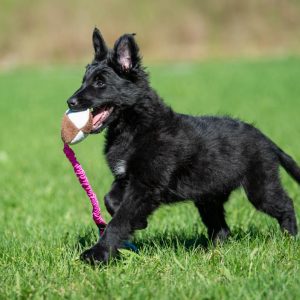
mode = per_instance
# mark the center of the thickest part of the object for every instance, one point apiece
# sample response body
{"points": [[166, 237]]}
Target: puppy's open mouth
{"points": [[100, 117]]}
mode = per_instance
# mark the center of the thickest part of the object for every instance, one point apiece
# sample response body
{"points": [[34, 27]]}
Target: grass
{"points": [[45, 217]]}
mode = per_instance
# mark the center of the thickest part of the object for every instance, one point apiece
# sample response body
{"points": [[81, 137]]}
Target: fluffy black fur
{"points": [[159, 156]]}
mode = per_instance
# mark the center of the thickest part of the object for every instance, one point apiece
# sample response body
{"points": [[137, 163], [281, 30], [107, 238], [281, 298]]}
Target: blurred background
{"points": [[40, 31]]}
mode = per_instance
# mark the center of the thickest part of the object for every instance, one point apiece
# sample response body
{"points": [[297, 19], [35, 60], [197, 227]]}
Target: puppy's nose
{"points": [[72, 103]]}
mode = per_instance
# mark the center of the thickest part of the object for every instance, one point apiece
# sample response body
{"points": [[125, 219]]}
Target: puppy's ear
{"points": [[126, 53], [99, 45]]}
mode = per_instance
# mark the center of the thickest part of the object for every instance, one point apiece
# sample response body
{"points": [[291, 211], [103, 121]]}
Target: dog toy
{"points": [[76, 125], [96, 212]]}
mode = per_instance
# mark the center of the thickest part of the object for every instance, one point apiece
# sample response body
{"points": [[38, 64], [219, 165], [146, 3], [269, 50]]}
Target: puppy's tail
{"points": [[288, 164]]}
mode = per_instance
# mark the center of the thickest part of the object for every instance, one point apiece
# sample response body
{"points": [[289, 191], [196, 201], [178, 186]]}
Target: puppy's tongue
{"points": [[100, 116]]}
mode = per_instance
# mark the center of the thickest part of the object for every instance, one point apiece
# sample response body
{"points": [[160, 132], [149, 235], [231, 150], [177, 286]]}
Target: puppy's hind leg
{"points": [[266, 193], [211, 209]]}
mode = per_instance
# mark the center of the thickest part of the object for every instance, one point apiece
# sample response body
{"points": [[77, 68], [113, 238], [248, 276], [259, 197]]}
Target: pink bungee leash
{"points": [[79, 172], [96, 212]]}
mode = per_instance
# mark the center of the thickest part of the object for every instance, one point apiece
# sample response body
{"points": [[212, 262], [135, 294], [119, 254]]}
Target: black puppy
{"points": [[159, 156]]}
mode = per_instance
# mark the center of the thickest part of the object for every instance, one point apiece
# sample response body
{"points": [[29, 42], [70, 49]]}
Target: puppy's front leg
{"points": [[114, 197], [131, 215]]}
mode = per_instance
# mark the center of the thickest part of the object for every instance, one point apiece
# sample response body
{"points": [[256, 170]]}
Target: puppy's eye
{"points": [[98, 82]]}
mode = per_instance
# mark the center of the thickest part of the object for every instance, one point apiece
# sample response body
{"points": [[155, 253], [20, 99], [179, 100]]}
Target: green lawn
{"points": [[45, 217]]}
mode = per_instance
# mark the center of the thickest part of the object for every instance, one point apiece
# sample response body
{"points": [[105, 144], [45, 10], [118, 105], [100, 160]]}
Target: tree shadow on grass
{"points": [[173, 240], [179, 239]]}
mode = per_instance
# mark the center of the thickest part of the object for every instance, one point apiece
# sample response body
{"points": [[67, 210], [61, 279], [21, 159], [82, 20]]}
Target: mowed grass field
{"points": [[45, 220]]}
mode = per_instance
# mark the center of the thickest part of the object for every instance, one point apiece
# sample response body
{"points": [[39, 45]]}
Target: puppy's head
{"points": [[111, 82]]}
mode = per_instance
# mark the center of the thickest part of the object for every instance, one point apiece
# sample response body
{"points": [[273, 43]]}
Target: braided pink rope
{"points": [[96, 213]]}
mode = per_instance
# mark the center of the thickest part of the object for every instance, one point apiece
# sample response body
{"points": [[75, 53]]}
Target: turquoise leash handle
{"points": [[126, 245], [130, 246]]}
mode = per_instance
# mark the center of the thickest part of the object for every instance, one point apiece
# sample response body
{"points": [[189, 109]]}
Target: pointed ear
{"points": [[99, 45], [126, 53]]}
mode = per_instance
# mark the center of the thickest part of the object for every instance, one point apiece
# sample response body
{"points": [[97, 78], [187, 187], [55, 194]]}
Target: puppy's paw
{"points": [[221, 236], [95, 255]]}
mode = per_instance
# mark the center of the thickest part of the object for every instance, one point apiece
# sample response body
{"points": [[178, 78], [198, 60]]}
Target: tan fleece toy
{"points": [[76, 126]]}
